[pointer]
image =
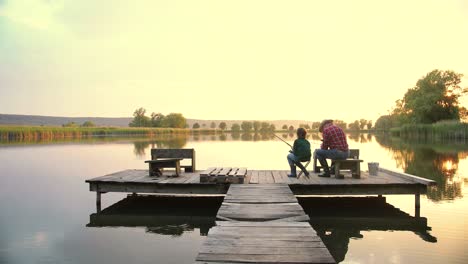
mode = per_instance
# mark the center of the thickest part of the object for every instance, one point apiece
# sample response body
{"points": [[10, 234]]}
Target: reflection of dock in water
{"points": [[160, 214], [338, 219]]}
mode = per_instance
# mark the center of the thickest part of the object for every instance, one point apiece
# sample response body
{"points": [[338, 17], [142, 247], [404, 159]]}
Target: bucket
{"points": [[373, 168]]}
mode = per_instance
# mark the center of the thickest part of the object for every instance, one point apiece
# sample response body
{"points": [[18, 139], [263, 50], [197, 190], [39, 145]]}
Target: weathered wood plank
{"points": [[207, 171], [233, 172], [241, 172], [224, 171], [254, 177], [406, 176], [216, 171]]}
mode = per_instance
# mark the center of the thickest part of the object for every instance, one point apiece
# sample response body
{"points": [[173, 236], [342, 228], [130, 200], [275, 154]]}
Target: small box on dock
{"points": [[223, 175]]}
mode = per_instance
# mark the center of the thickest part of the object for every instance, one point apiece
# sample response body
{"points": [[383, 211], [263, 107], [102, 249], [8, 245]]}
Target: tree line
{"points": [[172, 120], [434, 98]]}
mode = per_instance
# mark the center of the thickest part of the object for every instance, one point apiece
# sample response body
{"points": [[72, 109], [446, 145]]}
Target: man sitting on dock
{"points": [[334, 145]]}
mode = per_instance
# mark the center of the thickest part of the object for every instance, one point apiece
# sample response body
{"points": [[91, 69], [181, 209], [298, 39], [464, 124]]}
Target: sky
{"points": [[242, 59]]}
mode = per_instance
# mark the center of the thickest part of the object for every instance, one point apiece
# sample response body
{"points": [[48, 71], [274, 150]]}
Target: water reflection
{"points": [[174, 141], [337, 220], [432, 161], [160, 214]]}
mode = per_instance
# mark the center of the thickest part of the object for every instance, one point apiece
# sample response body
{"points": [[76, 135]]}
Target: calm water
{"points": [[47, 209]]}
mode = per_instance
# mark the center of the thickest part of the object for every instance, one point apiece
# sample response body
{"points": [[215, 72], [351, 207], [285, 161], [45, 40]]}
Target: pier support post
{"points": [[417, 205], [98, 201]]}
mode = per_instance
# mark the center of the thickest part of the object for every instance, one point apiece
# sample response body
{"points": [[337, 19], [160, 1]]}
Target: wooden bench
{"points": [[170, 158], [352, 163]]}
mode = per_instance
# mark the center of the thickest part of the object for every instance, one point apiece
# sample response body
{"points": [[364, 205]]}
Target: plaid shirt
{"points": [[334, 138]]}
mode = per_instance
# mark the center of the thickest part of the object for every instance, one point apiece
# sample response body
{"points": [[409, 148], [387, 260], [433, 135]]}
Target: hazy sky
{"points": [[224, 59]]}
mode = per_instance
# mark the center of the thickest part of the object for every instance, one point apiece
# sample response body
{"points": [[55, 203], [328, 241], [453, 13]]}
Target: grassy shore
{"points": [[43, 132], [438, 131]]}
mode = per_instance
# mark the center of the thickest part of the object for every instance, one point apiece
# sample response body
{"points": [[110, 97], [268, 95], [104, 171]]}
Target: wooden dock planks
{"points": [[263, 242], [260, 202], [387, 182], [263, 227]]}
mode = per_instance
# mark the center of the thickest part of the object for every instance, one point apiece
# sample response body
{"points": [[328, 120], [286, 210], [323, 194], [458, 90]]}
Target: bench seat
{"points": [[156, 166]]}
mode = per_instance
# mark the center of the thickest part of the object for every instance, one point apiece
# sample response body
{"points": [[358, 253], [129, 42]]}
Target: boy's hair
{"points": [[301, 133]]}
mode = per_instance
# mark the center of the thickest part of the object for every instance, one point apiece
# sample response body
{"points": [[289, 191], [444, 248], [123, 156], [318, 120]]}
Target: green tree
{"points": [[88, 124], [235, 128], [272, 128], [222, 125], [257, 125], [362, 123], [369, 124], [315, 125], [340, 123], [264, 127], [196, 126], [285, 127], [246, 126], [435, 97], [354, 125], [386, 122], [174, 120], [140, 119], [157, 119], [213, 125], [291, 128], [70, 124]]}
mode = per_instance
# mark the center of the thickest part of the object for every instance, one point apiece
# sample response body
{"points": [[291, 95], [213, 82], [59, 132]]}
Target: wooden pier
{"points": [[262, 221]]}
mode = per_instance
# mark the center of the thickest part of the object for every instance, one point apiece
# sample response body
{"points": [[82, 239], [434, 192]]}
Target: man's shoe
{"points": [[292, 175], [324, 175]]}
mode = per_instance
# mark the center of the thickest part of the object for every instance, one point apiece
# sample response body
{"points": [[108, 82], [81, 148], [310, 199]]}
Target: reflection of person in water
{"points": [[337, 240]]}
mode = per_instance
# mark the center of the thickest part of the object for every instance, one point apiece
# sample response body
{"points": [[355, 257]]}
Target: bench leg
{"points": [[337, 171], [357, 171], [177, 169]]}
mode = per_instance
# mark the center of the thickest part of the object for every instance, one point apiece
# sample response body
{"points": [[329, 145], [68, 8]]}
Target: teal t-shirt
{"points": [[301, 149]]}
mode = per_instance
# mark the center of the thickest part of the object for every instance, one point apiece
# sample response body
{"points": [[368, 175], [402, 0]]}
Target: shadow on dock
{"points": [[162, 215], [339, 219]]}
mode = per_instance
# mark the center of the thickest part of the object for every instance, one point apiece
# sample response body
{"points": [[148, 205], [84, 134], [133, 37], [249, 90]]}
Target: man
{"points": [[334, 145]]}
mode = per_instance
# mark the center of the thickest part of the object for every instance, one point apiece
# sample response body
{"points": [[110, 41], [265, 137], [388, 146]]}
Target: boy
{"points": [[300, 152]]}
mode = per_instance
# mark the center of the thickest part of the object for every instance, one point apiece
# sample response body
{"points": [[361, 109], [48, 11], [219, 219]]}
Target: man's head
{"points": [[301, 133], [324, 123]]}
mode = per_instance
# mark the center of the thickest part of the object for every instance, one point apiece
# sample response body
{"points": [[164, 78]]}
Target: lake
{"points": [[47, 208]]}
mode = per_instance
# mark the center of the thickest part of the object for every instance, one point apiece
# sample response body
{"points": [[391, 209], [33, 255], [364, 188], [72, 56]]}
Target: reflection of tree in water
{"points": [[426, 160], [360, 137], [172, 141], [315, 136], [236, 135], [246, 137], [222, 137], [354, 137]]}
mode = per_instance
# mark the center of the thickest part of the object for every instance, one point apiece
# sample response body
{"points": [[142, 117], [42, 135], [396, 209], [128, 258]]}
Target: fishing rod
{"points": [[283, 140]]}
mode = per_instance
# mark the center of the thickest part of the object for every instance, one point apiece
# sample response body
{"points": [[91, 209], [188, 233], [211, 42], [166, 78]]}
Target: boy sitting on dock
{"points": [[300, 152]]}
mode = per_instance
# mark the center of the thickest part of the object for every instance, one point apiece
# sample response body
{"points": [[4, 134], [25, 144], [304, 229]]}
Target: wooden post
{"points": [[98, 201], [417, 205]]}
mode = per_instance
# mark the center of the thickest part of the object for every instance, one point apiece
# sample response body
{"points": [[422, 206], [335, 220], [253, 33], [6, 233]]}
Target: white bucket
{"points": [[373, 168]]}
